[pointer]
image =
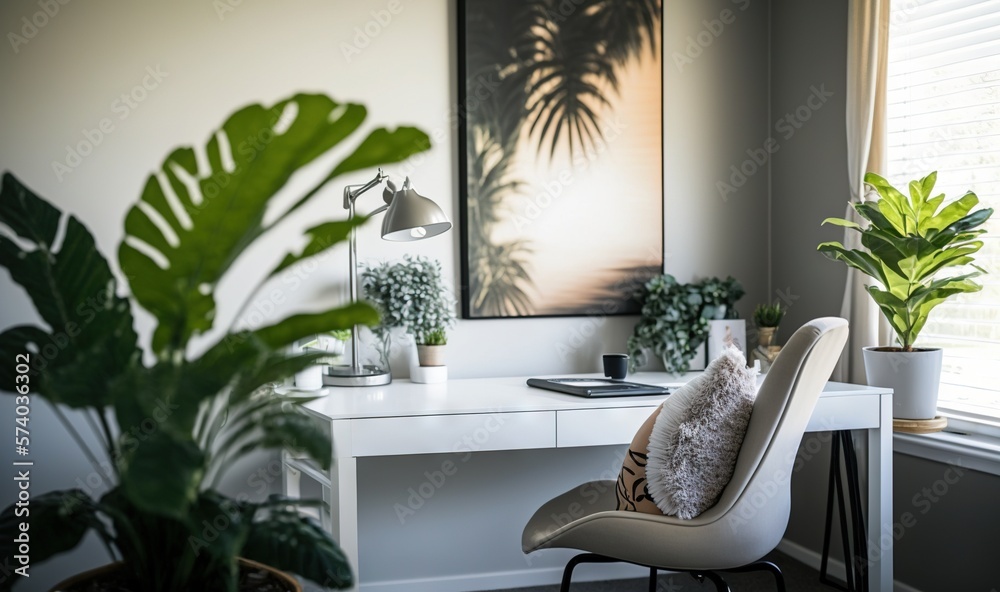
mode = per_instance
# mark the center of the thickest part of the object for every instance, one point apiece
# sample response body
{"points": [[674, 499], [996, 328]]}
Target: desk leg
{"points": [[880, 540], [344, 510]]}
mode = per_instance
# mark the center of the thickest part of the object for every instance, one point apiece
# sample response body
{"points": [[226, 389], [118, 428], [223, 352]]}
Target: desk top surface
{"points": [[403, 398]]}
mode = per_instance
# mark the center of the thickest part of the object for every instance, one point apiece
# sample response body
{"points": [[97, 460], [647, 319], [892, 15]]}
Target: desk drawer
{"points": [[453, 433], [598, 427]]}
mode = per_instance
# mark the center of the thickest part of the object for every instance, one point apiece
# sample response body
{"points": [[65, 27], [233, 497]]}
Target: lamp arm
{"points": [[352, 192]]}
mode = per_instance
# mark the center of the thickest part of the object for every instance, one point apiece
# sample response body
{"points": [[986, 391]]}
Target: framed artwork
{"points": [[560, 155]]}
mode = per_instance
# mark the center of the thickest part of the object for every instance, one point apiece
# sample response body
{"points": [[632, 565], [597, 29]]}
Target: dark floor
{"points": [[798, 578]]}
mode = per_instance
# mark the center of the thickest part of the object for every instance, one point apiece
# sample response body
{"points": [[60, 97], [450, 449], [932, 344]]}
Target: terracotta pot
{"points": [[431, 355], [100, 573]]}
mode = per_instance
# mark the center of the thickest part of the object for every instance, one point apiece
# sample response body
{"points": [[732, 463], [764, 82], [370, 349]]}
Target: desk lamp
{"points": [[409, 217]]}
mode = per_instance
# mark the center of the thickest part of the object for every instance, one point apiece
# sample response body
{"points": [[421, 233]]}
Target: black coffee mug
{"points": [[615, 366]]}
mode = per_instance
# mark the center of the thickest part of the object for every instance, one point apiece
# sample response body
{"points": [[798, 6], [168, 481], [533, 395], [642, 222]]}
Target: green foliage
{"points": [[906, 244], [768, 315], [171, 428], [675, 318], [411, 295], [436, 337]]}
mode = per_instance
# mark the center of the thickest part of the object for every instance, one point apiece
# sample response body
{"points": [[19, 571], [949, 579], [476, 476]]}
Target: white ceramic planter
{"points": [[309, 379], [914, 378]]}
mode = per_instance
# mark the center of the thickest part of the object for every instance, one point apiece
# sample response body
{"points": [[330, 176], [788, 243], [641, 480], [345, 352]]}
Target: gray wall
{"points": [[953, 538]]}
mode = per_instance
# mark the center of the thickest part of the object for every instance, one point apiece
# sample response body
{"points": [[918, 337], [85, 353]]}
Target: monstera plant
{"points": [[171, 425]]}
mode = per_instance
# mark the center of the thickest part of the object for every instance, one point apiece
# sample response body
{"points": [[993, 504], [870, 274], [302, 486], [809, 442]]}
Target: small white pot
{"points": [[309, 379], [913, 376]]}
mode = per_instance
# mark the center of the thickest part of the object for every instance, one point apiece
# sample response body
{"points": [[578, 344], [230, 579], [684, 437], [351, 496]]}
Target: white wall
{"points": [[69, 76]]}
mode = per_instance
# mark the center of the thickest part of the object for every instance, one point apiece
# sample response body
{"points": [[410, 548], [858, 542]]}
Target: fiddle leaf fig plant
{"points": [[197, 410], [908, 244]]}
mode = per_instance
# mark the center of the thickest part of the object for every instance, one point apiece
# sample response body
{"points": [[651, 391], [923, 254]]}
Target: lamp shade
{"points": [[412, 216]]}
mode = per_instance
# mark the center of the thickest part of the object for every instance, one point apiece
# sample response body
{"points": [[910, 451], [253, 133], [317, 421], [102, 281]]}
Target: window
{"points": [[944, 115]]}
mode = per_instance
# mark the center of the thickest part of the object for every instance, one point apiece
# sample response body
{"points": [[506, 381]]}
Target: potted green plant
{"points": [[411, 295], [675, 318], [767, 318], [907, 246], [331, 347], [170, 426]]}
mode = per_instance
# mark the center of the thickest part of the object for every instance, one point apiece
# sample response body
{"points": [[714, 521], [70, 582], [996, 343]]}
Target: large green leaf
{"points": [[291, 542], [162, 473], [57, 522], [194, 221], [89, 339]]}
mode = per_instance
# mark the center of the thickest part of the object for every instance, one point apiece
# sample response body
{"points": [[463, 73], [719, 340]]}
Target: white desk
{"points": [[405, 418]]}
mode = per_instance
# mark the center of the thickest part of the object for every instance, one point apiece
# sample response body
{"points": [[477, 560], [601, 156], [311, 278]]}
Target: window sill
{"points": [[974, 451]]}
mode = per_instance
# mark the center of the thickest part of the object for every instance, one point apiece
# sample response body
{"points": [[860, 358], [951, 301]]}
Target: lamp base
{"points": [[368, 375]]}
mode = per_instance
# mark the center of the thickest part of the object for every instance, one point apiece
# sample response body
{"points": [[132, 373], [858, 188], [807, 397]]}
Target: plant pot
{"points": [[914, 378], [765, 335], [91, 579], [310, 378], [431, 355]]}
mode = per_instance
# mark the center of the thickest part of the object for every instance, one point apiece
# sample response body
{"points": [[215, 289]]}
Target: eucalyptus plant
{"points": [[907, 243], [409, 294], [198, 410]]}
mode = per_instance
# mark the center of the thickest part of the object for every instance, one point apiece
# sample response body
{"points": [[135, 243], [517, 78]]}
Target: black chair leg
{"points": [[577, 560], [720, 584], [652, 579]]}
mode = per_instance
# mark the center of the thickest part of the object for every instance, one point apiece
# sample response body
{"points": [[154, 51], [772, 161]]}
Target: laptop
{"points": [[599, 387]]}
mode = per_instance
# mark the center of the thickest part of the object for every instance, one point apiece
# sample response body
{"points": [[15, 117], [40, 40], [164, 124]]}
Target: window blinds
{"points": [[944, 115]]}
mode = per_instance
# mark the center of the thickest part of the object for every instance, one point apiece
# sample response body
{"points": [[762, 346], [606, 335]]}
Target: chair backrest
{"points": [[759, 491]]}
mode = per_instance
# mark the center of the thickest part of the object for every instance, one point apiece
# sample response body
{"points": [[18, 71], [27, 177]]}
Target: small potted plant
{"points": [[907, 245], [431, 351], [767, 317], [330, 346], [411, 295]]}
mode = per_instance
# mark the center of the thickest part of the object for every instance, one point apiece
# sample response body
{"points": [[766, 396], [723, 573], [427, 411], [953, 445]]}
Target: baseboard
{"points": [[507, 579], [835, 567]]}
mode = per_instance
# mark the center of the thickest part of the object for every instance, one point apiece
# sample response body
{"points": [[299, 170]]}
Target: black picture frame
{"points": [[508, 103]]}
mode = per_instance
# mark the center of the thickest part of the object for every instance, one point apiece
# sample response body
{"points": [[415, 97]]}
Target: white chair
{"points": [[750, 516]]}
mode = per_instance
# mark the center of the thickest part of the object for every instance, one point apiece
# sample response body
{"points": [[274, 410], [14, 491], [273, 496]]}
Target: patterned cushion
{"points": [[683, 455]]}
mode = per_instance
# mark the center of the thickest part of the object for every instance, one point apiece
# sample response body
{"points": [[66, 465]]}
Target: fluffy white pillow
{"points": [[698, 434]]}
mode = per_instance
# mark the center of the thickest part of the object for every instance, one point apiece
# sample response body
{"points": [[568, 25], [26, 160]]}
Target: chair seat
{"points": [[585, 518]]}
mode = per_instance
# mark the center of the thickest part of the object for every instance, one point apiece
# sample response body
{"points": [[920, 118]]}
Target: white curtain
{"points": [[867, 46]]}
